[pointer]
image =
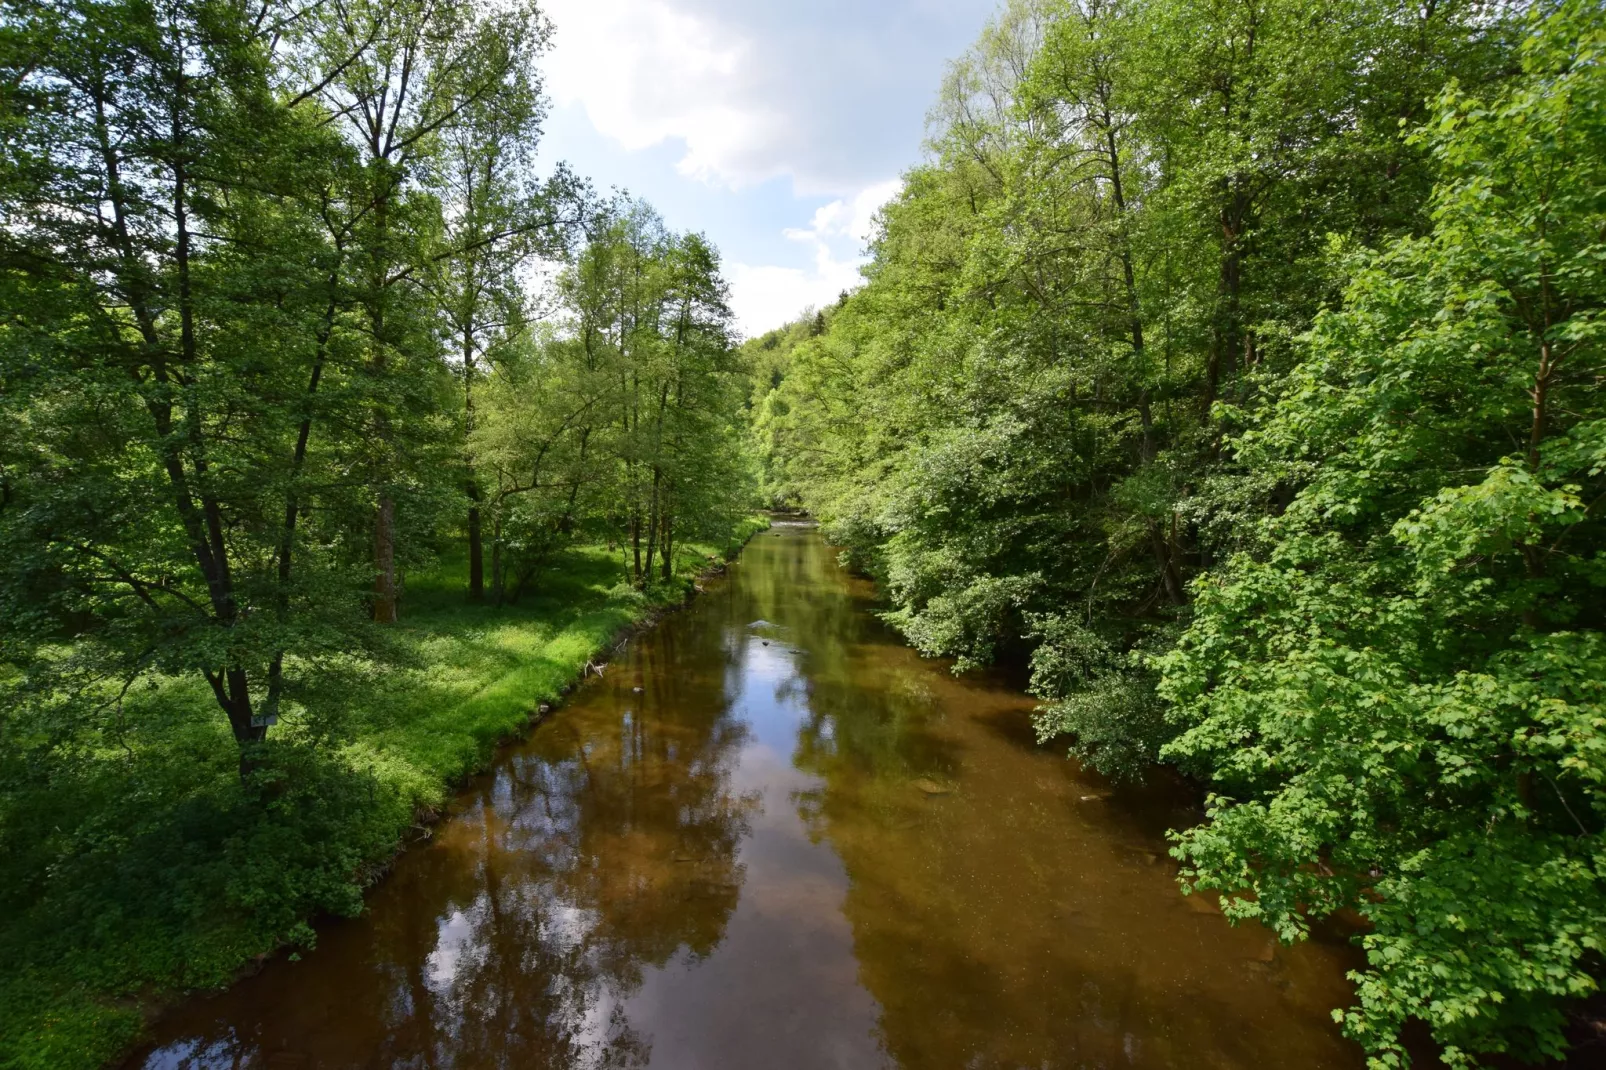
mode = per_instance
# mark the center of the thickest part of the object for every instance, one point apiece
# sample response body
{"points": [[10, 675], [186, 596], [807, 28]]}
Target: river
{"points": [[774, 836]]}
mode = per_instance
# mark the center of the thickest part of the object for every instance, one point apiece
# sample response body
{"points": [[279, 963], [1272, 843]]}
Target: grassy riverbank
{"points": [[138, 867]]}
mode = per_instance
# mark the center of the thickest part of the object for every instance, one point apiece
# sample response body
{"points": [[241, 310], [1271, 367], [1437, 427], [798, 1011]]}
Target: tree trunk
{"points": [[476, 547], [497, 585], [385, 596], [1163, 558], [292, 505], [201, 519], [476, 542], [635, 543], [233, 694], [652, 521], [669, 547], [385, 600], [232, 687]]}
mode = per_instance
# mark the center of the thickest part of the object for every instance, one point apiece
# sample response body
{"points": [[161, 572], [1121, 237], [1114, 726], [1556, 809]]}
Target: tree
{"points": [[410, 80], [621, 417], [497, 219], [1399, 699], [168, 349]]}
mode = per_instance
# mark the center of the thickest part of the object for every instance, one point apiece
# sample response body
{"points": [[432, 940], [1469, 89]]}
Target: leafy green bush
{"points": [[140, 866], [1402, 703], [1100, 697]]}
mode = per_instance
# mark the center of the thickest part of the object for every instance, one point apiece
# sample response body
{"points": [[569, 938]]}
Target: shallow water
{"points": [[773, 836]]}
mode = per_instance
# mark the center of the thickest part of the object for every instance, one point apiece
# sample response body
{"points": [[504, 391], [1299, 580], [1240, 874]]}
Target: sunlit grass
{"points": [[140, 867]]}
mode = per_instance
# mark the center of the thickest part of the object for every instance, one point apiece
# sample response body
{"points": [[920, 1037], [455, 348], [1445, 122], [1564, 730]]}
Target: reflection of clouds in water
{"points": [[769, 663], [601, 1022], [609, 851], [567, 925], [196, 1055], [525, 972], [561, 926], [452, 938]]}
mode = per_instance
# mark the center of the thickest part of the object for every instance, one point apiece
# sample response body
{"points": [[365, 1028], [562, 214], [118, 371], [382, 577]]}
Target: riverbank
{"points": [[774, 776], [140, 868]]}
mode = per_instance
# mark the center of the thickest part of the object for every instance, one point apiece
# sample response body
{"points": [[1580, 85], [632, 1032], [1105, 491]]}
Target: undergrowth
{"points": [[137, 864]]}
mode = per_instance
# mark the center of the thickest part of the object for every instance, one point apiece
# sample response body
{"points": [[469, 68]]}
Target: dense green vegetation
{"points": [[273, 388], [1240, 363], [146, 867], [1237, 363]]}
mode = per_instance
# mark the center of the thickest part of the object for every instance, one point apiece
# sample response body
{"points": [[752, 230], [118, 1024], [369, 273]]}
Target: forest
{"points": [[1232, 368], [278, 365], [1237, 364]]}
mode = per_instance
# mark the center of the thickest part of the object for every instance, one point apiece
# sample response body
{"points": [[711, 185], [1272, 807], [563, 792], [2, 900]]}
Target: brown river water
{"points": [[774, 836]]}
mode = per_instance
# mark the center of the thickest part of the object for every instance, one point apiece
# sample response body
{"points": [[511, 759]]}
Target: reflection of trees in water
{"points": [[865, 706], [605, 847], [873, 731], [877, 727], [792, 581], [509, 981], [608, 850], [991, 929]]}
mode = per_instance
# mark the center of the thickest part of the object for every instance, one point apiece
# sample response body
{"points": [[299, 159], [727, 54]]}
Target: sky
{"points": [[775, 127]]}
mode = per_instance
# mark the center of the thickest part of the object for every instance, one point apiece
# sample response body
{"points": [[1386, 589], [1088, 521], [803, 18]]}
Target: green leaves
{"points": [[1404, 698], [621, 418], [1275, 436]]}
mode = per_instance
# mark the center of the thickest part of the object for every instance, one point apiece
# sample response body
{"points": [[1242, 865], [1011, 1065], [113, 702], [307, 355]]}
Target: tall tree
{"points": [[1399, 696], [403, 77], [166, 345], [498, 219], [621, 418]]}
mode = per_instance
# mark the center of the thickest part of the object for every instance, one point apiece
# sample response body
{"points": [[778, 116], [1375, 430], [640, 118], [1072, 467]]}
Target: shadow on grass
{"points": [[145, 869]]}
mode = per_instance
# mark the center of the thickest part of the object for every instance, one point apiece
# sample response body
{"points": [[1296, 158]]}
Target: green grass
{"points": [[134, 873]]}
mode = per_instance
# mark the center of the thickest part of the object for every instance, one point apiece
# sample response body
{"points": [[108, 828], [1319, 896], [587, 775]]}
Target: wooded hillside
{"points": [[1240, 364]]}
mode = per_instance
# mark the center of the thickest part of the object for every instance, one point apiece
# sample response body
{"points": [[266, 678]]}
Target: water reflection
{"points": [[773, 836]]}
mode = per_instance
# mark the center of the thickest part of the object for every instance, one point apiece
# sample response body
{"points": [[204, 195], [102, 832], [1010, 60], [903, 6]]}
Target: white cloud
{"points": [[852, 218], [647, 72], [764, 297], [826, 92]]}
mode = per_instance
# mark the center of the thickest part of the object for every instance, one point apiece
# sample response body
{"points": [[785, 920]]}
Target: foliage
{"points": [[1018, 424], [138, 864], [1238, 363], [766, 361], [1400, 702], [221, 366], [244, 256], [622, 418]]}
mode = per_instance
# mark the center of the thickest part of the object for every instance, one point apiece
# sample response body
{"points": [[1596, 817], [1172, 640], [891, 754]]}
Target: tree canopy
{"points": [[272, 339], [1239, 366]]}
